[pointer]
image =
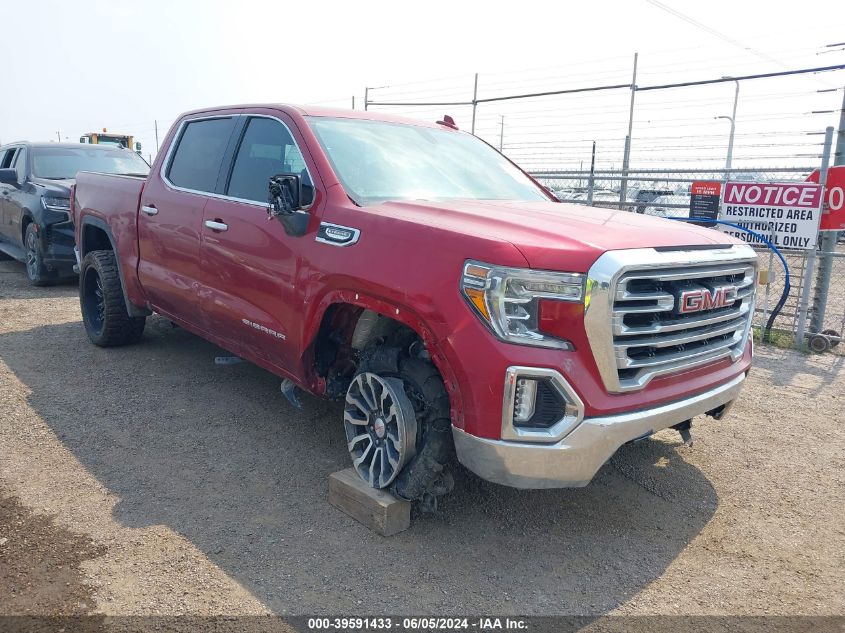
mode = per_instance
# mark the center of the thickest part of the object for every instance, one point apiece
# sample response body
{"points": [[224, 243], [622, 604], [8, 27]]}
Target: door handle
{"points": [[149, 209], [214, 225]]}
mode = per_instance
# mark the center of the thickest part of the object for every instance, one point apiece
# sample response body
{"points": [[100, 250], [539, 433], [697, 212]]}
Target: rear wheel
{"points": [[103, 308], [36, 271]]}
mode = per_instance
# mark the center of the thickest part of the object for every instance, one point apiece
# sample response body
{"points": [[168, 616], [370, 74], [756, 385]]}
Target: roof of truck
{"points": [[317, 111]]}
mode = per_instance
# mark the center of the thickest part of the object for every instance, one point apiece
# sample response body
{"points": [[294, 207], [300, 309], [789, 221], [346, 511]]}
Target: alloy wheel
{"points": [[381, 428]]}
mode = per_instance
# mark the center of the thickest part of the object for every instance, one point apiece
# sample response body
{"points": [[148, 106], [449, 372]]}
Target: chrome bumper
{"points": [[573, 461]]}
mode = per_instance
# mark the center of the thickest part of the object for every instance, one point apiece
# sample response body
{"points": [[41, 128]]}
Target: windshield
{"points": [[59, 163], [377, 161]]}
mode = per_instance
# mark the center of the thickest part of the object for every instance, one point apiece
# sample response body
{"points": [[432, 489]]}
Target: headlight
{"points": [[51, 203], [507, 300]]}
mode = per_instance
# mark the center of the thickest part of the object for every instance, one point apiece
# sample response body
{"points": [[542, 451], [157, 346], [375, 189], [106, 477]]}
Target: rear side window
{"points": [[199, 154], [267, 149]]}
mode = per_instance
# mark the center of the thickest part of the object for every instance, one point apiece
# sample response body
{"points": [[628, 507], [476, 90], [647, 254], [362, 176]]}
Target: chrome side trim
{"points": [[607, 282], [573, 461], [559, 429]]}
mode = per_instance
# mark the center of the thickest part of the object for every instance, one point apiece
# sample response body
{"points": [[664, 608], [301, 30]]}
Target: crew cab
{"points": [[411, 270], [35, 182]]}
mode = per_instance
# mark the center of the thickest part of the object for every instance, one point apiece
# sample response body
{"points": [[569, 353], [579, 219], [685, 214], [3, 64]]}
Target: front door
{"points": [[7, 159], [171, 215], [249, 291]]}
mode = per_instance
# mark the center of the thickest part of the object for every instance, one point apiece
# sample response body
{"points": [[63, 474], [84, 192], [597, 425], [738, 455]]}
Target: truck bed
{"points": [[110, 202]]}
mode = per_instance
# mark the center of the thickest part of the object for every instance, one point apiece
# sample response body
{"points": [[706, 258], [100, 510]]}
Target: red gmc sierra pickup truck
{"points": [[413, 271]]}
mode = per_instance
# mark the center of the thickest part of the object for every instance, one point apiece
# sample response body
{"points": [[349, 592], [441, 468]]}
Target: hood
{"points": [[57, 187], [555, 236]]}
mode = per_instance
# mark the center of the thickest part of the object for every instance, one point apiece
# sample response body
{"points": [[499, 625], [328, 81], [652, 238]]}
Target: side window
{"points": [[20, 164], [6, 158], [196, 162], [267, 149]]}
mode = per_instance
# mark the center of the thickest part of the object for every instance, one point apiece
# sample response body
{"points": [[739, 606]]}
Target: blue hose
{"points": [[786, 284]]}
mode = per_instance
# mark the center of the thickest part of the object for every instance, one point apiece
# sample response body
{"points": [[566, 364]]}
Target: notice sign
{"points": [[788, 211], [704, 201]]}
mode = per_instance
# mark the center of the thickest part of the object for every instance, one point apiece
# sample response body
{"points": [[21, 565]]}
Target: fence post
{"points": [[592, 181], [811, 260], [828, 242], [366, 98], [626, 157]]}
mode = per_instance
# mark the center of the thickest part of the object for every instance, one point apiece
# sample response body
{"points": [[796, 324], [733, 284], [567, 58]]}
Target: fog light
{"points": [[524, 400]]}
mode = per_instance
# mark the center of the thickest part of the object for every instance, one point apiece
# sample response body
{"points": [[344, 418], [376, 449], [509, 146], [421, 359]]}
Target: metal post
{"points": [[626, 157], [353, 102], [828, 241], [729, 159], [156, 126], [592, 179], [474, 101], [811, 261], [366, 97], [502, 133]]}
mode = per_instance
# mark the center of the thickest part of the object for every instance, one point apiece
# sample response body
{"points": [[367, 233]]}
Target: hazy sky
{"points": [[87, 64]]}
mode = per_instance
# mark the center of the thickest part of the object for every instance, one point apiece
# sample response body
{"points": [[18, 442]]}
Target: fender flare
{"points": [[88, 220], [404, 315]]}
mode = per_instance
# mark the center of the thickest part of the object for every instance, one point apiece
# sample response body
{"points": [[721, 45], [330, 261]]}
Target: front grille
{"points": [[651, 334]]}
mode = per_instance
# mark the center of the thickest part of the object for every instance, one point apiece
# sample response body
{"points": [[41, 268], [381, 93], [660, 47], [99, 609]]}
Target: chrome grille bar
{"points": [[636, 295]]}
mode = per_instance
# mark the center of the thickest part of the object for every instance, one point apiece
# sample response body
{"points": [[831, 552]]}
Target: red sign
{"points": [[833, 219], [706, 188]]}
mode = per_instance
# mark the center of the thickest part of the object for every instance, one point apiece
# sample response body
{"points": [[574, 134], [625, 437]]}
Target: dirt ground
{"points": [[146, 480]]}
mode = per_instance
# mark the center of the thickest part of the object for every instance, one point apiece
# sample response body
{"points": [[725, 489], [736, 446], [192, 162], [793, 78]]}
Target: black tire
{"points": [[104, 314], [426, 476], [36, 270]]}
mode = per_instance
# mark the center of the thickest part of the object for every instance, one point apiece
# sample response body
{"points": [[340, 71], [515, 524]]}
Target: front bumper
{"points": [[573, 461]]}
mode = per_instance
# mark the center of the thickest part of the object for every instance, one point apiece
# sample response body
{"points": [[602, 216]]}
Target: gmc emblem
{"points": [[700, 299]]}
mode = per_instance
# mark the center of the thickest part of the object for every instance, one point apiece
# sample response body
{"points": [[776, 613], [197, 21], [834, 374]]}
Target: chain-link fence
{"points": [[666, 193]]}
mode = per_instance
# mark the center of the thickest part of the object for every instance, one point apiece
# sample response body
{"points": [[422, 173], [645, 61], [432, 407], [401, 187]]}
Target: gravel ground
{"points": [[168, 485]]}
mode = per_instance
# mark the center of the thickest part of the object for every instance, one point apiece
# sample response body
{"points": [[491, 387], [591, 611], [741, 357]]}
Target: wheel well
{"points": [[345, 332], [25, 222], [94, 239]]}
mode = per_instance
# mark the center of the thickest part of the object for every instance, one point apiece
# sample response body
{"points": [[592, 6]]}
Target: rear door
{"points": [[171, 215], [249, 292]]}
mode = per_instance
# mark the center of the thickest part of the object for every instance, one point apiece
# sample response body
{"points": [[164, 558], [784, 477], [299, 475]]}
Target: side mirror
{"points": [[9, 177], [285, 203], [138, 147]]}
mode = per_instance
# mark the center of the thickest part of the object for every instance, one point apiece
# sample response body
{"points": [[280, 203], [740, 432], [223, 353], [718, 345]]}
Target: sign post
{"points": [[790, 212]]}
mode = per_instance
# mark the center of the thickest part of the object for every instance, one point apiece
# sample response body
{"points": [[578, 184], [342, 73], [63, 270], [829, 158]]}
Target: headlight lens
{"points": [[507, 299], [52, 203]]}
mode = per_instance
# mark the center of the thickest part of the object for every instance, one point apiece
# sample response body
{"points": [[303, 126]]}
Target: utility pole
{"points": [[626, 157], [828, 240], [474, 101], [353, 102], [156, 126], [366, 97], [502, 133], [59, 136]]}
